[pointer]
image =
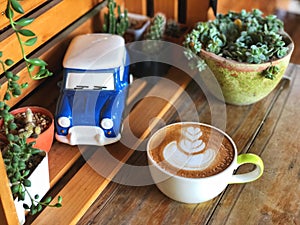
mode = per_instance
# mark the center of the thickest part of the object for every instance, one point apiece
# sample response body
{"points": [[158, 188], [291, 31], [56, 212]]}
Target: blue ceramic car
{"points": [[94, 90]]}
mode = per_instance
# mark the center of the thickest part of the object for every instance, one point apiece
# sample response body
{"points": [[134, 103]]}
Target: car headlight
{"points": [[64, 121], [107, 123]]}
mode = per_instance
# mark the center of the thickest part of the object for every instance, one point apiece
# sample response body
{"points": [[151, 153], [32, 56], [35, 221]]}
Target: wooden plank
{"points": [[27, 6], [168, 7], [126, 204], [41, 26], [196, 11], [53, 53], [275, 198], [134, 6], [87, 185]]}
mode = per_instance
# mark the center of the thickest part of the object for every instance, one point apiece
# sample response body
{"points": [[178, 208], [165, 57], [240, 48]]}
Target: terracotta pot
{"points": [[45, 139], [243, 83]]}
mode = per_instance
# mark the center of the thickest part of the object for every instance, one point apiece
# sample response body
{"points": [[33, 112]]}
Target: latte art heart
{"points": [[184, 161], [191, 150]]}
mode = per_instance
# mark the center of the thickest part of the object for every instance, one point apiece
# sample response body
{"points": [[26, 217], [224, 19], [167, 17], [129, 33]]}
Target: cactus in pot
{"points": [[115, 23]]}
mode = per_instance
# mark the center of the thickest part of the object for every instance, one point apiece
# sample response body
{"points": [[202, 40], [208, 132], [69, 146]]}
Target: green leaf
{"points": [[39, 207], [24, 22], [48, 199], [26, 173], [36, 62], [9, 13], [9, 74], [25, 206], [33, 211], [30, 42], [21, 195], [24, 85], [16, 92], [58, 205], [59, 199], [7, 96], [9, 62], [16, 6], [27, 183], [15, 78], [14, 189], [31, 67], [26, 32]]}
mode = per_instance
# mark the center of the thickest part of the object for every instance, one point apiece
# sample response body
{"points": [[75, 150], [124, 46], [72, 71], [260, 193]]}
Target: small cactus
{"points": [[154, 32], [156, 28], [115, 24], [30, 128]]}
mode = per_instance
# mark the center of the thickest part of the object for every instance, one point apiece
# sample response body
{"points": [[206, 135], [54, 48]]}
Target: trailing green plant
{"points": [[244, 37], [18, 153], [115, 23]]}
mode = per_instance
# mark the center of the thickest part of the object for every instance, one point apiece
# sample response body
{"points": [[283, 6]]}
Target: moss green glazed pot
{"points": [[243, 83]]}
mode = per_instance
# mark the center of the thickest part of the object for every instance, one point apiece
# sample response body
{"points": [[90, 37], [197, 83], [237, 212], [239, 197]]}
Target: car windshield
{"points": [[90, 81]]}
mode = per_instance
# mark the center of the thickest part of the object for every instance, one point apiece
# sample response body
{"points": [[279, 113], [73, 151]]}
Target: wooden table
{"points": [[269, 128]]}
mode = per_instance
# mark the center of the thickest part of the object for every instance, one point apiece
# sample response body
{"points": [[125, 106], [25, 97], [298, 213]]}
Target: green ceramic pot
{"points": [[243, 83]]}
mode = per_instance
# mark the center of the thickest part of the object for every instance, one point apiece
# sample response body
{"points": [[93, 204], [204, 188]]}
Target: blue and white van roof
{"points": [[95, 51]]}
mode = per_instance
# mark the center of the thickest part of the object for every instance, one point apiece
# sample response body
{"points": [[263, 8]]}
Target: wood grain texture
{"points": [[274, 198], [168, 7], [54, 50], [87, 184], [121, 204], [27, 6], [134, 6]]}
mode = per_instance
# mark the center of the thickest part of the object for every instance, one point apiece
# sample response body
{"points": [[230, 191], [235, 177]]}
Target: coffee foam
{"points": [[193, 151]]}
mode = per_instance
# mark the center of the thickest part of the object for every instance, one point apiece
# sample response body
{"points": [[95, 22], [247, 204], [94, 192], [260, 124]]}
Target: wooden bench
{"points": [[56, 23]]}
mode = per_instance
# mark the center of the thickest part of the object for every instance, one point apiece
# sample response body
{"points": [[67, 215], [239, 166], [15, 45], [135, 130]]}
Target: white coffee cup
{"points": [[199, 189]]}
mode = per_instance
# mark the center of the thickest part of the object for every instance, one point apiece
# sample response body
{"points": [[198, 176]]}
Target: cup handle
{"points": [[250, 176]]}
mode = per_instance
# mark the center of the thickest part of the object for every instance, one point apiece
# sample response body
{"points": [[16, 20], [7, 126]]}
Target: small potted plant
{"points": [[115, 23], [137, 26], [20, 155], [175, 31], [150, 50], [247, 52]]}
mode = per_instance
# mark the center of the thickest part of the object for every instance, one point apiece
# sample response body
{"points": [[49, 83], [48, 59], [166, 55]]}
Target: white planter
{"points": [[40, 184], [138, 32]]}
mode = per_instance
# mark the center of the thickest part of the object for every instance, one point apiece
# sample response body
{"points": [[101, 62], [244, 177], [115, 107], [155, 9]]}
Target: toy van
{"points": [[93, 91]]}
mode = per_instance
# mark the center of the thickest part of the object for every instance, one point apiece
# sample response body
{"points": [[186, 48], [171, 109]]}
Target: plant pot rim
{"points": [[253, 66], [45, 139]]}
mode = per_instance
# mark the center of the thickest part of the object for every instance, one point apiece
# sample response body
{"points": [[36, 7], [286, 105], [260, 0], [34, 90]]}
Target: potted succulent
{"points": [[175, 31], [19, 153], [247, 52]]}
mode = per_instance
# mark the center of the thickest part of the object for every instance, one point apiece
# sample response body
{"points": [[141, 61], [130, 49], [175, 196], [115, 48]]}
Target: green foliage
{"points": [[244, 37], [14, 6], [18, 152], [115, 24]]}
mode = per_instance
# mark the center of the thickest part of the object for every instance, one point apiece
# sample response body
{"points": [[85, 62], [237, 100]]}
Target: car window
{"points": [[90, 81]]}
